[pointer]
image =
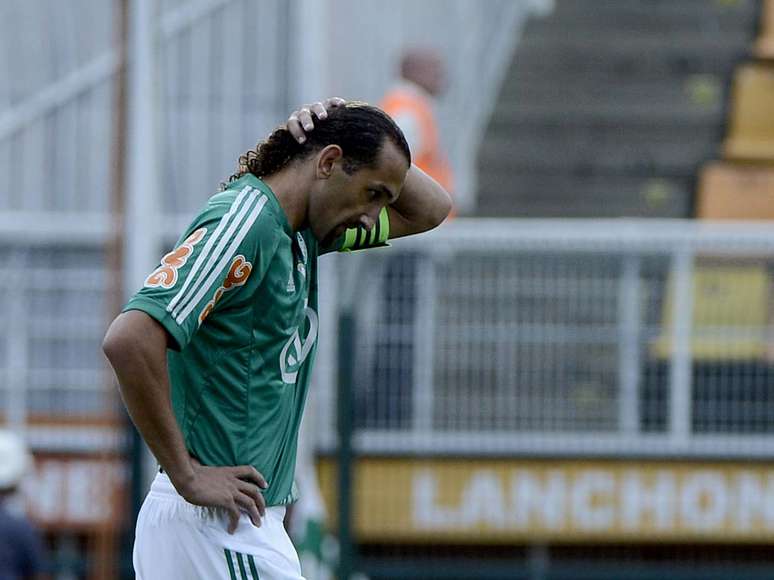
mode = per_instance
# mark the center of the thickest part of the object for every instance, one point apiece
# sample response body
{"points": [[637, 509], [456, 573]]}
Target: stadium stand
{"points": [[546, 353], [730, 303], [730, 319], [731, 300], [751, 125], [764, 46], [730, 191], [610, 112]]}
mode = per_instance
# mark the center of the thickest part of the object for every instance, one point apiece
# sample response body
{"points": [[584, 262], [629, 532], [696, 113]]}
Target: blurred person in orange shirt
{"points": [[411, 103], [21, 548], [388, 394]]}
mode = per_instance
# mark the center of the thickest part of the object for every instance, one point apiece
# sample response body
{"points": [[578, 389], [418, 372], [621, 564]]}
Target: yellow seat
{"points": [[764, 45], [735, 192], [751, 126], [730, 311]]}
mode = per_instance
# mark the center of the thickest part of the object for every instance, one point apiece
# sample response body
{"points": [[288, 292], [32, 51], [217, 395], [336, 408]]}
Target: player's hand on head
{"points": [[234, 489], [301, 121]]}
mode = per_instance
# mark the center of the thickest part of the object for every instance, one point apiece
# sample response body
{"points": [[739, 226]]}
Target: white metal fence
{"points": [[228, 71], [223, 83], [53, 310], [537, 337], [568, 337]]}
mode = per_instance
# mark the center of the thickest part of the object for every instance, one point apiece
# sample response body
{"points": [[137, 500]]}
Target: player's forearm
{"points": [[423, 202], [136, 347]]}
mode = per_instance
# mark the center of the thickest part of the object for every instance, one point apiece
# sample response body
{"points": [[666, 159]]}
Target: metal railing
{"points": [[541, 337], [537, 337]]}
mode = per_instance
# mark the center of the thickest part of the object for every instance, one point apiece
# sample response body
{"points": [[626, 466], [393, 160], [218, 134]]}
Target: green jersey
{"points": [[238, 296]]}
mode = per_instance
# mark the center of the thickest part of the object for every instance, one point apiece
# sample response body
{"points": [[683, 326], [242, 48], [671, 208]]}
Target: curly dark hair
{"points": [[358, 128]]}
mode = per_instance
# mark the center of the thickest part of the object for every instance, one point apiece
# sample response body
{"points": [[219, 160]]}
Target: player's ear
{"points": [[326, 160]]}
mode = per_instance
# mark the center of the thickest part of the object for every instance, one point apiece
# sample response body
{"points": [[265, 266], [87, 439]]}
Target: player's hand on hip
{"points": [[234, 489], [301, 121]]}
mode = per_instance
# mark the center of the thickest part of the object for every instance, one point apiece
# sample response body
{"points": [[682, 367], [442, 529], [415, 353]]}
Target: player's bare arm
{"points": [[423, 203], [136, 345]]}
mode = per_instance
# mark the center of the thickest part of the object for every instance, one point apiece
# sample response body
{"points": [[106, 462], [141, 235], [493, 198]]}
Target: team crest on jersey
{"points": [[296, 349], [165, 275]]}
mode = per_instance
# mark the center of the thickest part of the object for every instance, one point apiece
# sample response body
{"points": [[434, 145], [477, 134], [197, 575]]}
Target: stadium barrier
{"points": [[590, 382]]}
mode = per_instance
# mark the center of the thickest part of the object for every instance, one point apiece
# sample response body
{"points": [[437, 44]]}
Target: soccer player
{"points": [[214, 354]]}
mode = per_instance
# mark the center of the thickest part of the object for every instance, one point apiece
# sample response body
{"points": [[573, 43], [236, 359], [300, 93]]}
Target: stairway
{"points": [[610, 106]]}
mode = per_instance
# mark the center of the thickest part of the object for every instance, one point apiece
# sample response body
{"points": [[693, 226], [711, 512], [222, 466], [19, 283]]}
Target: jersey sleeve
{"points": [[221, 257], [361, 239]]}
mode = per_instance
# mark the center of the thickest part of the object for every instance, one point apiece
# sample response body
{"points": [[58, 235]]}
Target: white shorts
{"points": [[178, 540]]}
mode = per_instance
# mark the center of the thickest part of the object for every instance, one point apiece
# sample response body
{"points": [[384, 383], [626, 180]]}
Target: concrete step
{"points": [[644, 8], [610, 107], [638, 150], [581, 113], [507, 194], [639, 55], [696, 97], [668, 16]]}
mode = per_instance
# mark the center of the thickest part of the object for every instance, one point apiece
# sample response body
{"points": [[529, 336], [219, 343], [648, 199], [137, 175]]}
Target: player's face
{"points": [[347, 201]]}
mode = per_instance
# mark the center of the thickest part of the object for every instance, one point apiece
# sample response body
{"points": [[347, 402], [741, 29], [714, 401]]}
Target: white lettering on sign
{"points": [[428, 514], [640, 500], [43, 492], [597, 500], [753, 502], [536, 499], [485, 502], [592, 508], [704, 501], [74, 491]]}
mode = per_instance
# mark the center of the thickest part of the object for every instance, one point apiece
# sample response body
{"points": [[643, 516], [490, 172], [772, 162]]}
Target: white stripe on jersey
{"points": [[216, 254], [207, 248], [235, 556], [225, 261], [235, 563]]}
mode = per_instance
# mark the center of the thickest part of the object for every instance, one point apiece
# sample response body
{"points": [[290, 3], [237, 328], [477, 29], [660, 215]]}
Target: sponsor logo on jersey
{"points": [[238, 274], [165, 275], [296, 349]]}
